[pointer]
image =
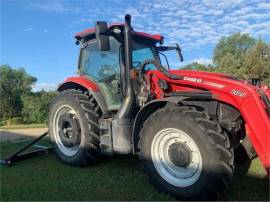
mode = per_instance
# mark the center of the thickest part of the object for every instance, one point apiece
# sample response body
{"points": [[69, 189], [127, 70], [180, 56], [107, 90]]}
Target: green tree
{"points": [[230, 53], [36, 106], [13, 84], [199, 67], [257, 62]]}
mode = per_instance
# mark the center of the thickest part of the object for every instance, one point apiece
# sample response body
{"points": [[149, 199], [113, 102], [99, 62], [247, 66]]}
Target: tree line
{"points": [[19, 105], [239, 55]]}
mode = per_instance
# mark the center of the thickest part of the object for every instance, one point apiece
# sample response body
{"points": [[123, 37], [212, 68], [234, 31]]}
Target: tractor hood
{"points": [[201, 73], [202, 77], [214, 79]]}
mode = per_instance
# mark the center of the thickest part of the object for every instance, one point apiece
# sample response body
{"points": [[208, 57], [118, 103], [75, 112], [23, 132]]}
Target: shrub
{"points": [[13, 121]]}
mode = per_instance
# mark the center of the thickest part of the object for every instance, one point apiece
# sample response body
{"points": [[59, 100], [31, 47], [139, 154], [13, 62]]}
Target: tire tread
{"points": [[90, 107], [215, 135]]}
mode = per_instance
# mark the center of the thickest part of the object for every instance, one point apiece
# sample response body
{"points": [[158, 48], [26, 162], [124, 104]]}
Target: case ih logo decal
{"points": [[186, 78], [238, 93]]}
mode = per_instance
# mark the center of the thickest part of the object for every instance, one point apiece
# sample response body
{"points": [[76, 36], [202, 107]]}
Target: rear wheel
{"points": [[73, 127], [185, 154]]}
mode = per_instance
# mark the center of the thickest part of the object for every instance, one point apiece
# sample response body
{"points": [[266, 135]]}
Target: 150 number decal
{"points": [[238, 93]]}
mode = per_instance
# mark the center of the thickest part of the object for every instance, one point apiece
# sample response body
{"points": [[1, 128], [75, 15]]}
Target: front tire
{"points": [[73, 127], [185, 154]]}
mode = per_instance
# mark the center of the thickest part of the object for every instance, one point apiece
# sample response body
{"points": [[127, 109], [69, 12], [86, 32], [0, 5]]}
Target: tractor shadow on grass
{"points": [[250, 182], [121, 174]]}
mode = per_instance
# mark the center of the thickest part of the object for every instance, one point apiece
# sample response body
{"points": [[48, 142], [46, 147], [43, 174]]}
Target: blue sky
{"points": [[38, 35]]}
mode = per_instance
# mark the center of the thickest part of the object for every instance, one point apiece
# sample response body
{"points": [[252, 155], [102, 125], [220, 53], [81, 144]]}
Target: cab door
{"points": [[103, 67]]}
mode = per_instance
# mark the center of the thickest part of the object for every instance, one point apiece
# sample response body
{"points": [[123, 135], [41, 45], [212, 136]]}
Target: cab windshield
{"points": [[140, 53]]}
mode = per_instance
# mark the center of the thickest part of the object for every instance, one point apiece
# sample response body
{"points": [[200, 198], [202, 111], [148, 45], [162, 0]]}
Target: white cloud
{"points": [[242, 11], [44, 86], [28, 29], [264, 5], [203, 61], [55, 6], [193, 23]]}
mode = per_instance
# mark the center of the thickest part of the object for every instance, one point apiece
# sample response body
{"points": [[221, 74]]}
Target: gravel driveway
{"points": [[16, 134]]}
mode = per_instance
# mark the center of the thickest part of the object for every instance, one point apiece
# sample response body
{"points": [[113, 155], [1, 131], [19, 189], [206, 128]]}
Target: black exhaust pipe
{"points": [[126, 109], [122, 124]]}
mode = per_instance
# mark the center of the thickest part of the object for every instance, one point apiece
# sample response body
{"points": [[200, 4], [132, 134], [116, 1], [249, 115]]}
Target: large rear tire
{"points": [[73, 127], [185, 154]]}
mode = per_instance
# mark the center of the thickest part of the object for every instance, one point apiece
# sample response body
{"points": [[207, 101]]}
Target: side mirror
{"points": [[102, 36], [179, 52]]}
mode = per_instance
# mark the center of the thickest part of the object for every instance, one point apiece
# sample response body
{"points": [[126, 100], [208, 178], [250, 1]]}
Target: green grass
{"points": [[114, 178], [24, 126]]}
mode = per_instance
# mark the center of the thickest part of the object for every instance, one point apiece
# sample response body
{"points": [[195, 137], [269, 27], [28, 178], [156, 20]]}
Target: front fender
{"points": [[146, 111]]}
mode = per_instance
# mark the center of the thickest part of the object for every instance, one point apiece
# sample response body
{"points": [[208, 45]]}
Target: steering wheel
{"points": [[147, 62], [159, 68], [137, 64], [107, 77]]}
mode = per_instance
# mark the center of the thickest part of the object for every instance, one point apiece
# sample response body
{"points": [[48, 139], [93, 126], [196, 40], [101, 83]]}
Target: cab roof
{"points": [[90, 33]]}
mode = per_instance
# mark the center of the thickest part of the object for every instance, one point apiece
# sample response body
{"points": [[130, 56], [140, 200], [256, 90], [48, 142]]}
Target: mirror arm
{"points": [[176, 47], [165, 59]]}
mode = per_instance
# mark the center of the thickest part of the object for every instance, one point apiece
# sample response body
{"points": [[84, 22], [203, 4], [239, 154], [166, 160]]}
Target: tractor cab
{"points": [[102, 59]]}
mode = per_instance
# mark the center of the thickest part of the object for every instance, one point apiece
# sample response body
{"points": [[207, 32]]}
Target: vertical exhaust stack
{"points": [[126, 109], [123, 123]]}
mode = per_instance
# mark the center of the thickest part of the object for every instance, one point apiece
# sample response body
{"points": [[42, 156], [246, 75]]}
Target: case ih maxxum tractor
{"points": [[186, 126]]}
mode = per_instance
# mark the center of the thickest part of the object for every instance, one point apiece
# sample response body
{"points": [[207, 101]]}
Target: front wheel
{"points": [[185, 154]]}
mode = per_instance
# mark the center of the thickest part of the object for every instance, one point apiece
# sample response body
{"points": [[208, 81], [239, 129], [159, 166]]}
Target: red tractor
{"points": [[186, 126]]}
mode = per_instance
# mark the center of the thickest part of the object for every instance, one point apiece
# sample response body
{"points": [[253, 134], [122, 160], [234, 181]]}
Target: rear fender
{"points": [[85, 84]]}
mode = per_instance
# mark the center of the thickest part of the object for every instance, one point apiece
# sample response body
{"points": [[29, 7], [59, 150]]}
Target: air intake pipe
{"points": [[125, 111]]}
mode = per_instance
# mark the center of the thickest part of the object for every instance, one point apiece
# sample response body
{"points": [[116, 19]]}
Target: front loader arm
{"points": [[257, 128], [244, 97]]}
